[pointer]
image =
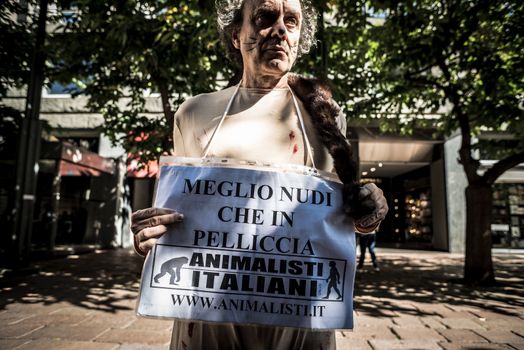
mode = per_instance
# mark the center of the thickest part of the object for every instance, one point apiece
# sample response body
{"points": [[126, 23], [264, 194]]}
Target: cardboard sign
{"points": [[255, 247]]}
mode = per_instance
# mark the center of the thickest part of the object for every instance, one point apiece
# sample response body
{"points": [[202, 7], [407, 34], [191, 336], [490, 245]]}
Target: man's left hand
{"points": [[372, 200]]}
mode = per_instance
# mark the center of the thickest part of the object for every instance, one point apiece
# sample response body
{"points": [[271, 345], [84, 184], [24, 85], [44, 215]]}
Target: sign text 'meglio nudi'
{"points": [[256, 191]]}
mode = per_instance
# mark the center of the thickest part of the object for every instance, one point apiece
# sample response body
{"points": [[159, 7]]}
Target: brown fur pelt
{"points": [[317, 99]]}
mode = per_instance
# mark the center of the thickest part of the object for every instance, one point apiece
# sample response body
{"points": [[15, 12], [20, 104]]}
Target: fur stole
{"points": [[317, 99]]}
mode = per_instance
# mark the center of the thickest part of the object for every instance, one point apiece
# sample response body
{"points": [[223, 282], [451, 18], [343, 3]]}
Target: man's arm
{"points": [[370, 196], [148, 225]]}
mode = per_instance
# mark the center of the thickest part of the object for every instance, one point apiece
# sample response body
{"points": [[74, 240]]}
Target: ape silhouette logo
{"points": [[172, 267]]}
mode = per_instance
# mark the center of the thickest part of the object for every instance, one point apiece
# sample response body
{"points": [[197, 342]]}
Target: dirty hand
{"points": [[149, 224], [374, 208]]}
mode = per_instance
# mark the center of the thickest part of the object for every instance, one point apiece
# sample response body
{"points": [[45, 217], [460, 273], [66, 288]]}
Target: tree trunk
{"points": [[166, 106], [168, 114], [479, 267]]}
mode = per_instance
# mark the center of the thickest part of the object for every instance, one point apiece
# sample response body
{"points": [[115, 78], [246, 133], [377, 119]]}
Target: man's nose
{"points": [[279, 29]]}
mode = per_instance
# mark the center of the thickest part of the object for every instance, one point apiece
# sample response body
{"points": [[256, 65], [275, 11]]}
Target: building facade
{"points": [[87, 191]]}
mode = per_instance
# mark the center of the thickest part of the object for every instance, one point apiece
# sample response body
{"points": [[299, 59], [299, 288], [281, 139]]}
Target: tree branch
{"points": [[492, 174], [421, 70], [424, 81], [166, 106]]}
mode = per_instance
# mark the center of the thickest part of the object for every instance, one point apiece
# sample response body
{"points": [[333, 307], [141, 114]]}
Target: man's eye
{"points": [[291, 22], [264, 20]]}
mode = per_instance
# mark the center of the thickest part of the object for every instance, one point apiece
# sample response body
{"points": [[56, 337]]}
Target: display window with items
{"points": [[507, 225], [418, 216]]}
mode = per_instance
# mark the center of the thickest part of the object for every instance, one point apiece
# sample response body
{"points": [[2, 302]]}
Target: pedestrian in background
{"points": [[368, 241]]}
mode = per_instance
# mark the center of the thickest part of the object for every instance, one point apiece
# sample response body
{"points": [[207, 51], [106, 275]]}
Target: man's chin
{"points": [[278, 65]]}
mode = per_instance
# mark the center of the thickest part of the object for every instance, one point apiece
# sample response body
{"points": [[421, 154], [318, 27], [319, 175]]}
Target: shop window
{"points": [[418, 216], [507, 225], [412, 209]]}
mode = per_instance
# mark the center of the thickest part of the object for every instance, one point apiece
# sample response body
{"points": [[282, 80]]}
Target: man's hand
{"points": [[373, 208], [148, 225]]}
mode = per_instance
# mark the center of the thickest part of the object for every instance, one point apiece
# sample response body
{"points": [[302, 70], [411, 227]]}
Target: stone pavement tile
{"points": [[142, 347], [115, 311], [399, 307], [489, 315], [352, 344], [367, 334], [518, 346], [108, 320], [17, 330], [432, 309], [500, 336], [374, 321], [134, 336], [459, 314], [376, 308], [8, 317], [408, 321], [433, 322], [404, 345], [71, 310], [53, 319], [519, 332], [475, 346], [67, 332], [57, 344], [465, 308], [406, 333], [125, 305], [514, 323], [35, 308], [392, 307], [146, 324], [11, 343], [461, 336], [461, 323]]}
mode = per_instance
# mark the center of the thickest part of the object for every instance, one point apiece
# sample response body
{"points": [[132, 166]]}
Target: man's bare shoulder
{"points": [[206, 104]]}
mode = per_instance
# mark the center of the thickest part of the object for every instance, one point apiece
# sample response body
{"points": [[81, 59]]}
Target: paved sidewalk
{"points": [[87, 302]]}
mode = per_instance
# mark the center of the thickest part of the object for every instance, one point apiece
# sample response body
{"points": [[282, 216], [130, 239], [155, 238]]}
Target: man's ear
{"points": [[235, 40]]}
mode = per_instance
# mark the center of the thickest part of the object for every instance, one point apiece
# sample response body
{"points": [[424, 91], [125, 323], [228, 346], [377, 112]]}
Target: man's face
{"points": [[269, 36]]}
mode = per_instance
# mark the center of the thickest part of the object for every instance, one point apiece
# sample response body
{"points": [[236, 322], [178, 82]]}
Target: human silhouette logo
{"points": [[333, 280], [172, 267]]}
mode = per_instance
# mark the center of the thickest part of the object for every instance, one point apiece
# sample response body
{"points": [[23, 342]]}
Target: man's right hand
{"points": [[148, 225]]}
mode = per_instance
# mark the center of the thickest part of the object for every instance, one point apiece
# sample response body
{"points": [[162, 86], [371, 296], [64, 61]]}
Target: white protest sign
{"points": [[255, 247]]}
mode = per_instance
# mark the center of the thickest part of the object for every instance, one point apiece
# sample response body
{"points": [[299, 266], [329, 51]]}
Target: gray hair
{"points": [[229, 19]]}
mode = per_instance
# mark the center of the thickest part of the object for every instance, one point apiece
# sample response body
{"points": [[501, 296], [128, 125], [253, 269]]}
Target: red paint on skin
{"points": [[295, 148], [291, 135]]}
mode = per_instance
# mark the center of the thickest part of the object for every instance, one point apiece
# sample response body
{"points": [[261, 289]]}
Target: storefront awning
{"points": [[397, 152], [391, 155], [76, 161]]}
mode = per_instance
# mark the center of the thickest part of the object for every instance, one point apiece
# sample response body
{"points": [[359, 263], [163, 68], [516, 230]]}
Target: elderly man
{"points": [[270, 116]]}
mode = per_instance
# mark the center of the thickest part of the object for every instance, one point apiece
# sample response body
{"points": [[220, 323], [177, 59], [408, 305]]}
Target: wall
{"points": [[438, 206], [456, 183]]}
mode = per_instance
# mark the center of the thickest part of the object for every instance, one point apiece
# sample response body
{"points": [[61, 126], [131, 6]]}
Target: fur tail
{"points": [[318, 101]]}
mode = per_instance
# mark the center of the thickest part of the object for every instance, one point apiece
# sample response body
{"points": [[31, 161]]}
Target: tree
{"points": [[388, 61], [118, 50], [460, 59], [15, 55]]}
